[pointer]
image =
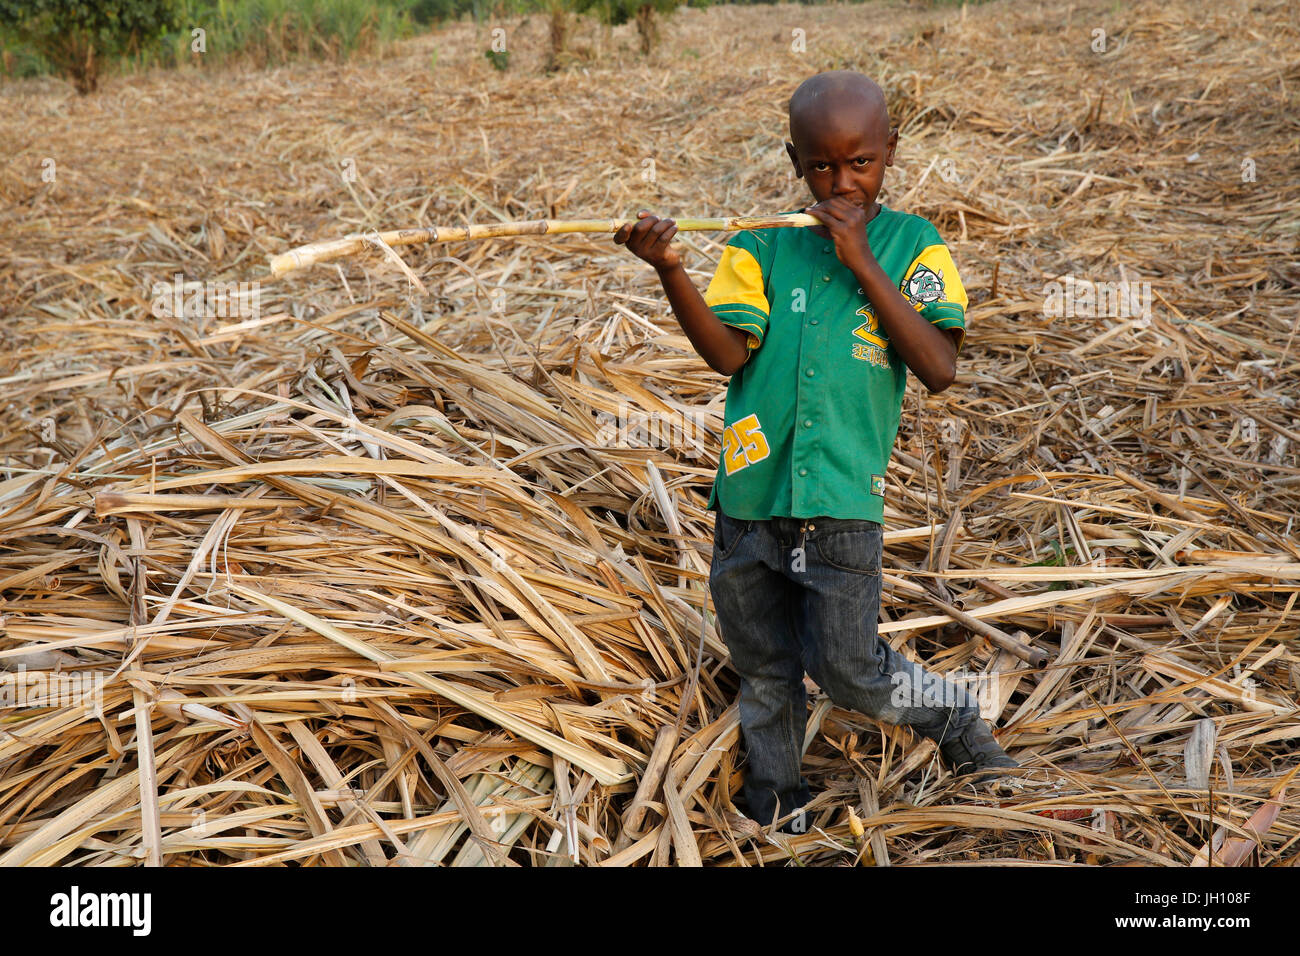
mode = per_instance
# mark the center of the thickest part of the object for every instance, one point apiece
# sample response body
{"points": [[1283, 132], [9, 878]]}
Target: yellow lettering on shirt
{"points": [[871, 354]]}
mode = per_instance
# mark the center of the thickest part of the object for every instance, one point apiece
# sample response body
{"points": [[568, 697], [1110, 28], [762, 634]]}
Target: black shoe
{"points": [[974, 750]]}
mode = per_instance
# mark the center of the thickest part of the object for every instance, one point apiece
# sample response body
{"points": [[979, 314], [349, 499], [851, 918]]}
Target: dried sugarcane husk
{"points": [[427, 456]]}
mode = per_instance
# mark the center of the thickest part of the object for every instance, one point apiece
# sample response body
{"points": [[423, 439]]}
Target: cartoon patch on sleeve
{"points": [[924, 286]]}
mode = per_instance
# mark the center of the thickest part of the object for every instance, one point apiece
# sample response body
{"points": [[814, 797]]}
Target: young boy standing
{"points": [[816, 328]]}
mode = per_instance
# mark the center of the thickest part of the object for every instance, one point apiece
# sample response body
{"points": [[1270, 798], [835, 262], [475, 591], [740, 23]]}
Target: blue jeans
{"points": [[796, 593]]}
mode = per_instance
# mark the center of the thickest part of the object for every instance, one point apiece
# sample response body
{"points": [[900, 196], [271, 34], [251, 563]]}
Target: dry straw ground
{"points": [[366, 582]]}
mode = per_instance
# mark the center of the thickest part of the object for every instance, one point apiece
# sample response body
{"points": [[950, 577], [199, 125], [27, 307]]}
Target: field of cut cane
{"points": [[365, 570]]}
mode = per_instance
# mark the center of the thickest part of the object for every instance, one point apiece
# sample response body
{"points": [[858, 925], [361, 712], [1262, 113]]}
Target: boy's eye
{"points": [[822, 167]]}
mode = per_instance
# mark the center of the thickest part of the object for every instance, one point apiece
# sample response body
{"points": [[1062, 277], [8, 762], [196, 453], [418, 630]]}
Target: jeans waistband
{"points": [[822, 523]]}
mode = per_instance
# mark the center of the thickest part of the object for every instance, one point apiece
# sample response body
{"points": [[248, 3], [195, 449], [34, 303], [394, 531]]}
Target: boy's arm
{"points": [[928, 352], [724, 347]]}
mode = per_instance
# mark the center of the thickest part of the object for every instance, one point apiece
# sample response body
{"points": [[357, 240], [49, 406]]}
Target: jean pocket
{"points": [[727, 534], [856, 551]]}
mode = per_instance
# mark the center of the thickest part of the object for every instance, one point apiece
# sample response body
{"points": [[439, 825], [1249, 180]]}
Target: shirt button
{"points": [[807, 423], [826, 278], [812, 321], [810, 373], [803, 472]]}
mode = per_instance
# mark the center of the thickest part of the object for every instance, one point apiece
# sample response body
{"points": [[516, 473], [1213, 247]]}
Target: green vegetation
{"points": [[646, 13], [270, 32], [77, 39], [1059, 559], [73, 36]]}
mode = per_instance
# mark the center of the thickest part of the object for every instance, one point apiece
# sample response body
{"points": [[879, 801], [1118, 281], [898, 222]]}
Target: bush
{"points": [[645, 12], [74, 35]]}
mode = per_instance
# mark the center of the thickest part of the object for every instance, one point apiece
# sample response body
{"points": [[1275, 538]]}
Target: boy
{"points": [[816, 327]]}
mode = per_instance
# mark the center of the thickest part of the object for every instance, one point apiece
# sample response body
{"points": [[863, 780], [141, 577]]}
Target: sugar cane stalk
{"points": [[331, 249]]}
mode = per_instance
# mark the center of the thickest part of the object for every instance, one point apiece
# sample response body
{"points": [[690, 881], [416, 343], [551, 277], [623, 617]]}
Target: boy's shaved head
{"points": [[836, 98], [841, 142]]}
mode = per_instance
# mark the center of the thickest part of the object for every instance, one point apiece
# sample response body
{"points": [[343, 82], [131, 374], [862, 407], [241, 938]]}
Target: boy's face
{"points": [[843, 152]]}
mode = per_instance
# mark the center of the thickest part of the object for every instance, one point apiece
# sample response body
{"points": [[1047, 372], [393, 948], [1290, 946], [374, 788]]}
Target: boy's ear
{"points": [[794, 159], [893, 145]]}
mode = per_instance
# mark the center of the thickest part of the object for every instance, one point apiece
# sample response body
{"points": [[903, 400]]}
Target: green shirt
{"points": [[811, 417]]}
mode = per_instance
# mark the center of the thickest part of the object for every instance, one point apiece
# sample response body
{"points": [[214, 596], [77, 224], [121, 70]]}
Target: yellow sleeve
{"points": [[735, 294], [934, 289]]}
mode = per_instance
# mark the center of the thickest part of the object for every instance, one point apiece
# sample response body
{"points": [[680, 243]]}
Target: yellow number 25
{"points": [[743, 444]]}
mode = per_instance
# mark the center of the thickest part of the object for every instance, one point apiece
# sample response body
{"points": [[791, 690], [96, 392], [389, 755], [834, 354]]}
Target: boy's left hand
{"points": [[847, 223]]}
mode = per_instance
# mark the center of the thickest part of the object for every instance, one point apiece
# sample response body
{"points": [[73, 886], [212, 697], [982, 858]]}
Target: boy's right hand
{"points": [[650, 240]]}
